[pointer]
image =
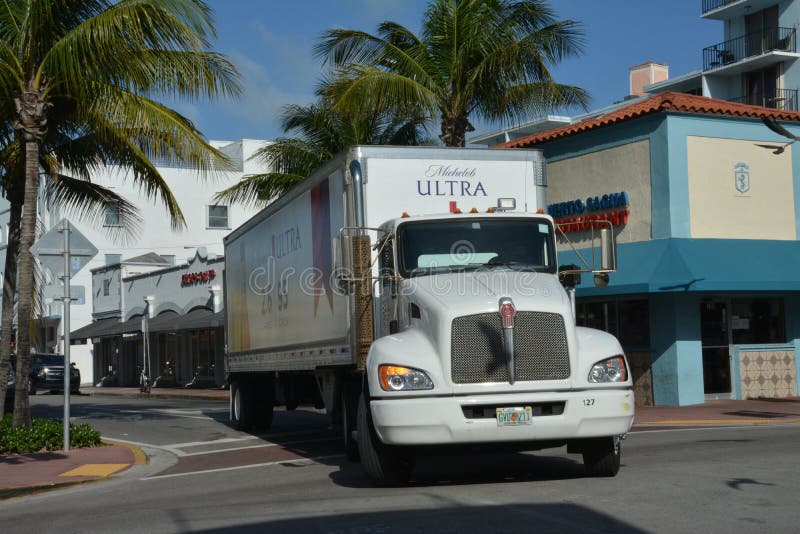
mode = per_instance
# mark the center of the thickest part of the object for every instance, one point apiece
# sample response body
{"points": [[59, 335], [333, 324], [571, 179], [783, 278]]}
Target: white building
{"points": [[207, 223]]}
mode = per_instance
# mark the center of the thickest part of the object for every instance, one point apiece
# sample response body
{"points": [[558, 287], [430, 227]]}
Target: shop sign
{"points": [[741, 177], [579, 214], [191, 279]]}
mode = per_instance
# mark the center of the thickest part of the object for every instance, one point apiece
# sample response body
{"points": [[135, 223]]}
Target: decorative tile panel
{"points": [[767, 374]]}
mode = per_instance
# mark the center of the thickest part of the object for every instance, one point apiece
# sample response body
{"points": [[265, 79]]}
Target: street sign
{"points": [[50, 250], [64, 251], [77, 294]]}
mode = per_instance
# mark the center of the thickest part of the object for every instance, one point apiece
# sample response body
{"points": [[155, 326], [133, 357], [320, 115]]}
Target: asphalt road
{"points": [[743, 479]]}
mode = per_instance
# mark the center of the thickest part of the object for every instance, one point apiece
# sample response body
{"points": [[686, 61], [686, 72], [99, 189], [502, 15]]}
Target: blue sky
{"points": [[271, 44]]}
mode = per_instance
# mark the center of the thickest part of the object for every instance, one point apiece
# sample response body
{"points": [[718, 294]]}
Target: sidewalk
{"points": [[23, 474], [29, 473], [160, 393], [723, 412]]}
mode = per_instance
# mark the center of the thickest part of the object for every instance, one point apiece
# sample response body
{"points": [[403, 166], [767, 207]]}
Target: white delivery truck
{"points": [[415, 293]]}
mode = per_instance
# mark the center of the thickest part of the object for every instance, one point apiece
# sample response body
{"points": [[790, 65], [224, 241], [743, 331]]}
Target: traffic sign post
{"points": [[63, 262]]}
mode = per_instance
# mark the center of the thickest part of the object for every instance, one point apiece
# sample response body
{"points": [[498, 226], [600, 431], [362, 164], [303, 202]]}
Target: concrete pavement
{"points": [[22, 474]]}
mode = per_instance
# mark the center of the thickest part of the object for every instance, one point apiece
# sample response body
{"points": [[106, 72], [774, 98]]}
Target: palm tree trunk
{"points": [[9, 290], [454, 130], [22, 409]]}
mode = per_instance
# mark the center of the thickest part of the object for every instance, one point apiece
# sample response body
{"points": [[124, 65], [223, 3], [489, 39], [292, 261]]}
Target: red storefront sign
{"points": [[191, 279]]}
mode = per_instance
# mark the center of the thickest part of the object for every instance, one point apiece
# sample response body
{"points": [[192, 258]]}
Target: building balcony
{"points": [[731, 9], [784, 99], [773, 40]]}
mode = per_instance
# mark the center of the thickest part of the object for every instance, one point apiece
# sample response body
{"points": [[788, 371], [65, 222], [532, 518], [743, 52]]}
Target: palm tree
{"points": [[489, 59], [100, 65], [321, 134], [76, 195]]}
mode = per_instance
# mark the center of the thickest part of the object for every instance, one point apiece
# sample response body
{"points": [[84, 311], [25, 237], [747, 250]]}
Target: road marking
{"points": [[212, 442], [259, 446], [719, 422], [94, 470], [300, 461], [706, 428], [174, 447]]}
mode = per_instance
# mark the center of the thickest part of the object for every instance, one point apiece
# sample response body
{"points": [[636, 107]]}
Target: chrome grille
{"points": [[540, 348]]}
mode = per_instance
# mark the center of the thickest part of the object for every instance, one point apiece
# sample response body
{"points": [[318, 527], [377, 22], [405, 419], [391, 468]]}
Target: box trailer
{"points": [[415, 293]]}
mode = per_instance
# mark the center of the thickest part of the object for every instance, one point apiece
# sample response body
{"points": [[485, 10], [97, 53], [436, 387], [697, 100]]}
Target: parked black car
{"points": [[47, 372]]}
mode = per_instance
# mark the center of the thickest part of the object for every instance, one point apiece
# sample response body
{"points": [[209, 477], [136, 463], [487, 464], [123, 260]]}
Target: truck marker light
{"points": [[474, 210], [490, 210], [405, 215]]}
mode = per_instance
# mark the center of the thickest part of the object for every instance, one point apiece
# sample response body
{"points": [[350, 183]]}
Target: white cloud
{"points": [[262, 97]]}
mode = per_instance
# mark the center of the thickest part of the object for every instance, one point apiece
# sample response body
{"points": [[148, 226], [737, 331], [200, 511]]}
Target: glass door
{"points": [[715, 339]]}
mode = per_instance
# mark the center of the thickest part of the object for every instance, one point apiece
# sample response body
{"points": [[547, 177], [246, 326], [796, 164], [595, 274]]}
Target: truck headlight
{"points": [[396, 378], [609, 370]]}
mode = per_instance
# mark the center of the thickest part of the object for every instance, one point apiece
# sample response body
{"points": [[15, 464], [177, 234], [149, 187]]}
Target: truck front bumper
{"points": [[441, 420]]}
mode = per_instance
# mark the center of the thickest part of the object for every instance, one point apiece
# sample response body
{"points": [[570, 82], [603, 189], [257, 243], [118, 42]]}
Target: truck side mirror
{"points": [[608, 250], [567, 278]]}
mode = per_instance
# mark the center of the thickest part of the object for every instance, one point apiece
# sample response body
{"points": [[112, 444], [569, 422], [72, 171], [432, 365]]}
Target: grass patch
{"points": [[44, 435]]}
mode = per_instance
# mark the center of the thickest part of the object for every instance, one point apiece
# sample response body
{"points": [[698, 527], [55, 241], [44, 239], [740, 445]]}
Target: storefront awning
{"points": [[201, 319], [164, 322], [197, 319], [95, 329], [131, 326], [708, 265]]}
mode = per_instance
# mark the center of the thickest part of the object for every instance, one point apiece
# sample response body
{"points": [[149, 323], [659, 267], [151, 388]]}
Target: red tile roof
{"points": [[670, 102]]}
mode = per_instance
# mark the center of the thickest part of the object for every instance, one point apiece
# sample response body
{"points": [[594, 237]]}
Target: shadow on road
{"points": [[463, 467], [508, 518]]}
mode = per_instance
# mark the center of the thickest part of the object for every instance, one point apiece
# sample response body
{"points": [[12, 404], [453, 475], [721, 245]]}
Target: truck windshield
{"points": [[432, 247]]}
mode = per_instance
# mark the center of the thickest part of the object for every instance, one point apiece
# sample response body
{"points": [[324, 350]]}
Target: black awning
{"points": [[132, 325], [165, 322], [201, 319], [95, 329]]}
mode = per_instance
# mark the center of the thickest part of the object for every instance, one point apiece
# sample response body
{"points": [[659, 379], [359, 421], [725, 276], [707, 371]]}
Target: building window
{"points": [[628, 320], [169, 258], [106, 287], [113, 259], [218, 217], [758, 320], [112, 214]]}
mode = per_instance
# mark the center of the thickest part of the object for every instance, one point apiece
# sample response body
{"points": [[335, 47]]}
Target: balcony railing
{"points": [[752, 44], [785, 99], [711, 5]]}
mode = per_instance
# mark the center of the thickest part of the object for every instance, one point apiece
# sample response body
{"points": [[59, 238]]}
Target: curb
{"points": [[140, 458], [718, 422], [22, 491], [167, 396]]}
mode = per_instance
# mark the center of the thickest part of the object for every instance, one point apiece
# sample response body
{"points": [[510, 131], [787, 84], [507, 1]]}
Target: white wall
{"points": [[193, 193]]}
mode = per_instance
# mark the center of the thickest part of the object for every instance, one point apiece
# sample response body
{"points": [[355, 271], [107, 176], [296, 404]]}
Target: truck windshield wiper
{"points": [[421, 271], [516, 265]]}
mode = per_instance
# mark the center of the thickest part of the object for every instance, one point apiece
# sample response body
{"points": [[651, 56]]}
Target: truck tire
{"points": [[264, 395], [601, 456], [386, 465], [241, 405], [349, 410]]}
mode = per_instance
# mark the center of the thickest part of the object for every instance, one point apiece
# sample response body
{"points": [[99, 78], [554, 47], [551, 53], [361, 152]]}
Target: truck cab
{"points": [[478, 344]]}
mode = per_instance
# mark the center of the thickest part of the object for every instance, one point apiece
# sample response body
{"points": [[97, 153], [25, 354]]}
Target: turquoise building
{"points": [[704, 199]]}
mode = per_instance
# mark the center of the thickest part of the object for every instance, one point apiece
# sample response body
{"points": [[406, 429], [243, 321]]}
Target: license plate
{"points": [[514, 416]]}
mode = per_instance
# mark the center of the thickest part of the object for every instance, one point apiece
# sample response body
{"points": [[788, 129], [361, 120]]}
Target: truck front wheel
{"points": [[386, 465], [601, 456]]}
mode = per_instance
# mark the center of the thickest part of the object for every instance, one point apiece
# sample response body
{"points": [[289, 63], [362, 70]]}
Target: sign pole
{"points": [[67, 367]]}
